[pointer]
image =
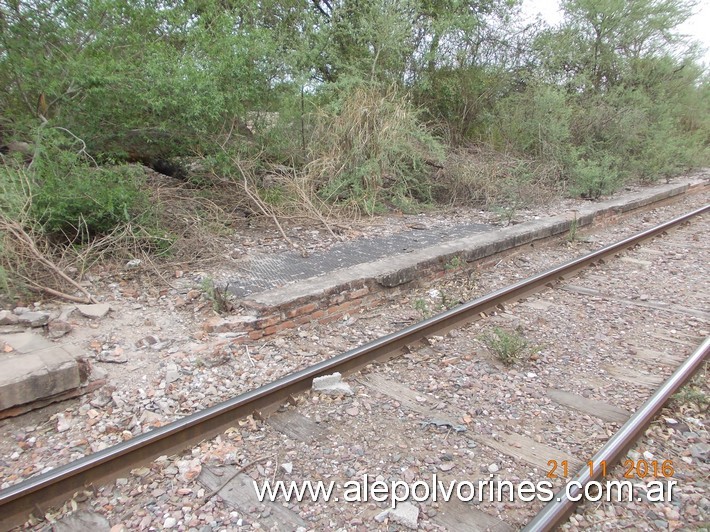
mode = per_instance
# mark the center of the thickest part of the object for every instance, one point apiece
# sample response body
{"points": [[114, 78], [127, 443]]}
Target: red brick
{"points": [[255, 335], [357, 294], [329, 319], [318, 314], [271, 330], [302, 320], [263, 323], [303, 309]]}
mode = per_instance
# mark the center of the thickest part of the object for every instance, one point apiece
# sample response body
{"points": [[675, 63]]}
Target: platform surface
{"points": [[268, 280]]}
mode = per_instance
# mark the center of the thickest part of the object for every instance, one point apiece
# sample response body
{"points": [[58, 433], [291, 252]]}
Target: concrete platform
{"points": [[360, 274], [33, 368]]}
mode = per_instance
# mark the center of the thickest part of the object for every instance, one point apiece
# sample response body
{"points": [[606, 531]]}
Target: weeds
{"points": [[508, 346], [455, 263], [573, 229], [219, 296], [506, 213], [421, 306], [694, 391]]}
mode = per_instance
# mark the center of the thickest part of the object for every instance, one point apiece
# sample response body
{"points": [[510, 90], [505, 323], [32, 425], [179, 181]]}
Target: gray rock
{"points": [[94, 312], [58, 328], [34, 369], [34, 319], [406, 514], [380, 517], [112, 357], [8, 318], [701, 451], [82, 522]]}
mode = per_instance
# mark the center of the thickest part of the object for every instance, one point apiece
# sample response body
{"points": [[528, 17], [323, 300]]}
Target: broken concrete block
{"points": [[58, 328], [8, 318], [94, 312], [331, 384], [34, 319], [406, 514], [35, 369]]}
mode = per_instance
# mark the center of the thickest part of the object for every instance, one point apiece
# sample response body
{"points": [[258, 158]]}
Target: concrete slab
{"points": [[32, 368], [263, 272], [390, 266]]}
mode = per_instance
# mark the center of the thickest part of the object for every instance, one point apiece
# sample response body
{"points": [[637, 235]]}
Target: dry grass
{"points": [[371, 148], [31, 260], [479, 175]]}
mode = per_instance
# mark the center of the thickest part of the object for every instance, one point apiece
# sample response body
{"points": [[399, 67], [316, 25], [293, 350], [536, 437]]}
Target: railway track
{"points": [[423, 344]]}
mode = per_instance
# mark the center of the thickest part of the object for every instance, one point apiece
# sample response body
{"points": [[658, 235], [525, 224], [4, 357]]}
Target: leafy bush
{"points": [[73, 198], [594, 178]]}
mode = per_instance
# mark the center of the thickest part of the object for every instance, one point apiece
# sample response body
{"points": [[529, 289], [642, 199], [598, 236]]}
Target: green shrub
{"points": [[507, 346], [594, 178], [73, 198]]}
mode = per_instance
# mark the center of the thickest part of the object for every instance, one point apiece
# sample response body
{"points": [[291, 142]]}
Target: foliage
{"points": [[369, 148], [507, 346], [218, 296], [355, 106], [74, 199]]}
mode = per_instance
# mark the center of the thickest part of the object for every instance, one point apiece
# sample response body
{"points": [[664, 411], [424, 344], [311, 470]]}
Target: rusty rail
{"points": [[563, 503]]}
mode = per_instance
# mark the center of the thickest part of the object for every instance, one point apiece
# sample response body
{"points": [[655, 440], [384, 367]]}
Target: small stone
{"points": [[63, 423], [94, 312], [193, 294], [170, 522], [353, 411], [701, 451], [670, 421], [648, 455], [8, 318], [132, 265], [117, 356], [189, 469], [287, 467], [149, 340], [634, 455], [150, 418], [406, 514], [380, 517], [493, 468], [98, 374], [58, 328], [447, 466]]}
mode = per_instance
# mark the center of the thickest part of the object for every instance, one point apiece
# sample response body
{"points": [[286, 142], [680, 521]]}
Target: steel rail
{"points": [[58, 485], [564, 501]]}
